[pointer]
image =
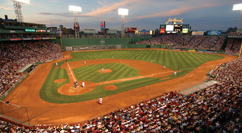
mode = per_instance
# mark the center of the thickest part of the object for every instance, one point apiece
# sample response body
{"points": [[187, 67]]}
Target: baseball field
{"points": [[121, 77]]}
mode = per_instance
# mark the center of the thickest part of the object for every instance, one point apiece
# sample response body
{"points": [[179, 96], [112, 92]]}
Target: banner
{"points": [[201, 33], [37, 38], [27, 38], [210, 33], [88, 31], [15, 39], [191, 50]]}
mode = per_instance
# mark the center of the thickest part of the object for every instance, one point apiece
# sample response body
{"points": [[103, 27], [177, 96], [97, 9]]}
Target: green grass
{"points": [[119, 71], [172, 59], [49, 91]]}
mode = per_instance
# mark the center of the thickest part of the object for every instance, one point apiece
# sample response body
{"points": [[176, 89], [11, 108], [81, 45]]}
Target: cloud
{"points": [[109, 8], [178, 11], [49, 21], [67, 14], [6, 8]]}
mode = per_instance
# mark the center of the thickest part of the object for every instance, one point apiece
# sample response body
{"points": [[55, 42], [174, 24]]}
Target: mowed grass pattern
{"points": [[49, 91], [119, 71], [172, 59]]}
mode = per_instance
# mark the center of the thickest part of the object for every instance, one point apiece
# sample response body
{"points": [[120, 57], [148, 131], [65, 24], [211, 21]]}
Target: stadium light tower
{"points": [[235, 8], [17, 6], [76, 9], [122, 12]]}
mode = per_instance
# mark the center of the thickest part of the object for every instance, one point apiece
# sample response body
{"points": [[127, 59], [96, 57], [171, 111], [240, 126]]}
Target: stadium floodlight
{"points": [[123, 12], [237, 7], [17, 6], [76, 9]]}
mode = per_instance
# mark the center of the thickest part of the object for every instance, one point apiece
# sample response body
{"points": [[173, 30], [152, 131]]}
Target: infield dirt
{"points": [[26, 94]]}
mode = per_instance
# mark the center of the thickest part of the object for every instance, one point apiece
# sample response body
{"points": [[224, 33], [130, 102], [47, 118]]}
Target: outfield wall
{"points": [[99, 43]]}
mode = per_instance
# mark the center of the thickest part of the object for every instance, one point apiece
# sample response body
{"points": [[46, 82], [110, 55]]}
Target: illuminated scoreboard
{"points": [[174, 28], [185, 28], [162, 29], [178, 28]]}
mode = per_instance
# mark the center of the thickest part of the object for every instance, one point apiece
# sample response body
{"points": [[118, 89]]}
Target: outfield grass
{"points": [[119, 71], [172, 59]]}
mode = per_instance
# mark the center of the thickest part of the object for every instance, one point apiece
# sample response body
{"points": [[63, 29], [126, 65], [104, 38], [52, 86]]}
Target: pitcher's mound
{"points": [[105, 71], [59, 80], [110, 87]]}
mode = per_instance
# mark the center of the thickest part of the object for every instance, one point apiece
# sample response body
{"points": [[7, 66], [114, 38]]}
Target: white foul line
{"points": [[71, 72]]}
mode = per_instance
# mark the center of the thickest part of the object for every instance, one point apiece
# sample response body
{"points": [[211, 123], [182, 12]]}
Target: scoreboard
{"points": [[174, 28]]}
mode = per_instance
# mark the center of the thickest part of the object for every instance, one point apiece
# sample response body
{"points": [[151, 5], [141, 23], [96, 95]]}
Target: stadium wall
{"points": [[101, 43]]}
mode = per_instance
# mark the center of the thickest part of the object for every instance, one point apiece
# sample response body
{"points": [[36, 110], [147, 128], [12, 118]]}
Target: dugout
{"points": [[28, 68]]}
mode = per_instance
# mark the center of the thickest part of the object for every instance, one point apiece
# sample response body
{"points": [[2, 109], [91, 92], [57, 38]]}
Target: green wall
{"points": [[126, 42]]}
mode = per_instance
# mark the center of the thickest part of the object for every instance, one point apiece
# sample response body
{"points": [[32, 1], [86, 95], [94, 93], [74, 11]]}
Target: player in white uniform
{"points": [[100, 100], [83, 84], [164, 67], [102, 70], [174, 73], [56, 64], [85, 62]]}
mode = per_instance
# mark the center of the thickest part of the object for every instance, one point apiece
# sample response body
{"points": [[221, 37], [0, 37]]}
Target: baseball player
{"points": [[102, 70], [56, 64], [85, 62], [164, 67], [178, 68], [151, 61], [83, 84], [174, 73], [100, 101], [76, 83]]}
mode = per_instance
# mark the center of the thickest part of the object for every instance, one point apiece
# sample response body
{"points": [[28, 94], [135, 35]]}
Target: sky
{"points": [[143, 14]]}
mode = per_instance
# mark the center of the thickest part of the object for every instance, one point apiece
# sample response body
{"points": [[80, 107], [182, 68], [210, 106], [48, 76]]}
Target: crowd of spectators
{"points": [[233, 126], [202, 111], [230, 73], [219, 43], [188, 42], [208, 42], [156, 40], [233, 46], [9, 36], [169, 39], [15, 56], [235, 34], [148, 41]]}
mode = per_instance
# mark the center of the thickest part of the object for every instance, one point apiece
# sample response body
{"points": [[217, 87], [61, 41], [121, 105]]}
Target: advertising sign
{"points": [[212, 33]]}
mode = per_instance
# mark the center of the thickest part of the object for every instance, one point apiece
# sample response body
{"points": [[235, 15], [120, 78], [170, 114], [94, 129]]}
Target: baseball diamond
{"points": [[135, 79]]}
